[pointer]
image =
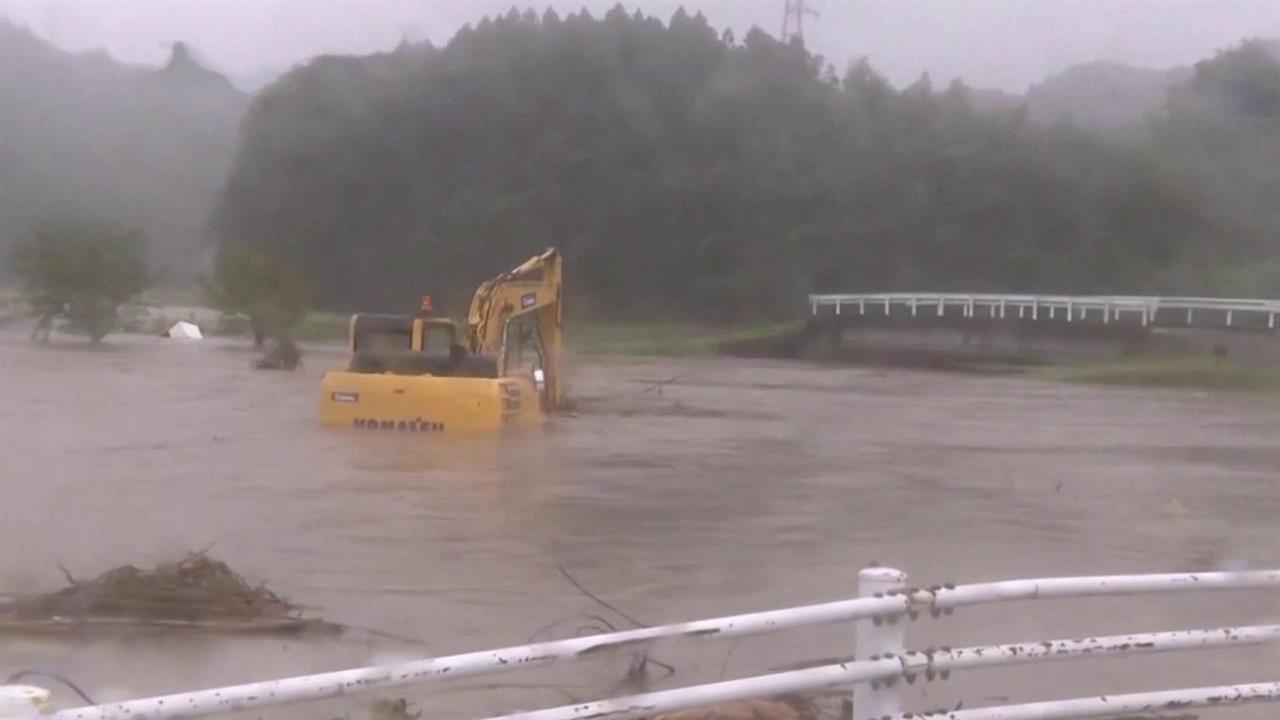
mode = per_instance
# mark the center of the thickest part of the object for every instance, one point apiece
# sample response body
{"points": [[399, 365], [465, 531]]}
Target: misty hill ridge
{"points": [[1101, 96], [82, 133], [85, 134], [182, 70], [1104, 96]]}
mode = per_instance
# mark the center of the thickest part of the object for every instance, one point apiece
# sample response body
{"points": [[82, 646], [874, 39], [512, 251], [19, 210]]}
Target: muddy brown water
{"points": [[679, 489]]}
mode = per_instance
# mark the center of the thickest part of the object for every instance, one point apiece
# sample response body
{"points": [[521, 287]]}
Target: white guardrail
{"points": [[881, 615], [1109, 308]]}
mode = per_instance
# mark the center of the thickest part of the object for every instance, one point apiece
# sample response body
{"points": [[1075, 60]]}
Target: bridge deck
{"points": [[1235, 313]]}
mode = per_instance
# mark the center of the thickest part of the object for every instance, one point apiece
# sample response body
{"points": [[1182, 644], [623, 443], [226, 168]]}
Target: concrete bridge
{"points": [[1019, 327]]}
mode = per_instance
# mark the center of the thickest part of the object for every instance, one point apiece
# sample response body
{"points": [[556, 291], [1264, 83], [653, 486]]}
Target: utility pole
{"points": [[793, 12]]}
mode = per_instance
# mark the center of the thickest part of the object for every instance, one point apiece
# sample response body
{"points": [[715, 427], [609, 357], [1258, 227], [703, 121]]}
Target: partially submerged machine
{"points": [[423, 374]]}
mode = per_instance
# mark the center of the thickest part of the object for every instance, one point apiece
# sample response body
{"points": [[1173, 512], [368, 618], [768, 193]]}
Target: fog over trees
{"points": [[688, 173], [82, 135]]}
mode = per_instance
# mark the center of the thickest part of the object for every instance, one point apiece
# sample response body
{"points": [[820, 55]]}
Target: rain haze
{"points": [[1000, 44], [378, 335]]}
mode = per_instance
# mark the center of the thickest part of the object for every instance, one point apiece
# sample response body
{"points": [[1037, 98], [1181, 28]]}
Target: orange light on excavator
{"points": [[425, 308]]}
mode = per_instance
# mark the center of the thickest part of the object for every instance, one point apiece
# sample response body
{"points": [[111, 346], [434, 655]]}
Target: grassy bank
{"points": [[175, 295], [323, 327], [665, 339], [1189, 373], [661, 339]]}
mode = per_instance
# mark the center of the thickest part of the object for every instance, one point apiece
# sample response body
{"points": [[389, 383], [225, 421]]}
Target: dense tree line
{"points": [[1221, 134], [688, 174]]}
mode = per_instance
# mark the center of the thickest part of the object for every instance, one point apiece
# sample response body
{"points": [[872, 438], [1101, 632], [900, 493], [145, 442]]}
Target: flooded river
{"points": [[679, 489]]}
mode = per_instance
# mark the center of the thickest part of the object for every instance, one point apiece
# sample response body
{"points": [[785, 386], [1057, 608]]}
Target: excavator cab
{"points": [[525, 353], [407, 345]]}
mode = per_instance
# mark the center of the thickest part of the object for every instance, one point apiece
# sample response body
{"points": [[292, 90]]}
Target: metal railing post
{"points": [[877, 637]]}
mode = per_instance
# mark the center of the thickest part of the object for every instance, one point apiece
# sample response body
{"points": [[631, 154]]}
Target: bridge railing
{"points": [[876, 670], [1108, 308]]}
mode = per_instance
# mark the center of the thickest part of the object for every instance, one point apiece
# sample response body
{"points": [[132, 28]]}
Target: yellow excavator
{"points": [[422, 374]]}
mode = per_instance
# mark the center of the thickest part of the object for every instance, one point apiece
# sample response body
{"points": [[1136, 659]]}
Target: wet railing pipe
{"points": [[1147, 705], [932, 663], [332, 684], [949, 596], [891, 668]]}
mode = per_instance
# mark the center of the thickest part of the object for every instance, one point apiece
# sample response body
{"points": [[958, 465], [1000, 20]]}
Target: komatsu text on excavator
{"points": [[422, 374]]}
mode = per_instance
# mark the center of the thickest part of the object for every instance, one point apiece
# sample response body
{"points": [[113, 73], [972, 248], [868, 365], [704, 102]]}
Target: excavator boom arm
{"points": [[532, 288]]}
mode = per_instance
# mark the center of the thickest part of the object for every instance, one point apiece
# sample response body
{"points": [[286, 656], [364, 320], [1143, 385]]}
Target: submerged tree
{"points": [[261, 285], [82, 270]]}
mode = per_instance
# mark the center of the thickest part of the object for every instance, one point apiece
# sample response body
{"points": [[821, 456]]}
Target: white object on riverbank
{"points": [[185, 331]]}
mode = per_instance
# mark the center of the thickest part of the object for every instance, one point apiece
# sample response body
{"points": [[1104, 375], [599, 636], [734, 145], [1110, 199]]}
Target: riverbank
{"points": [[764, 340], [1197, 373], [621, 339], [670, 339]]}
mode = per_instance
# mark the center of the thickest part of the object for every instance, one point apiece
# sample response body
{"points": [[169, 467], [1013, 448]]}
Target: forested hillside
{"points": [[689, 174]]}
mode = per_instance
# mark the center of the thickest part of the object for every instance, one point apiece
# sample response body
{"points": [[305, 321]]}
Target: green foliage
{"points": [[80, 269], [687, 175], [260, 284], [1189, 373], [667, 339], [324, 327], [1220, 135]]}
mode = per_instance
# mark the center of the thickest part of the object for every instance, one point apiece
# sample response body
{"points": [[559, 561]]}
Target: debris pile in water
{"points": [[279, 353], [195, 588]]}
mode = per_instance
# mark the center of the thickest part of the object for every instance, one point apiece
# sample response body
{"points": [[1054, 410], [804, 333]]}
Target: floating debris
{"points": [[279, 352], [1172, 510], [194, 592]]}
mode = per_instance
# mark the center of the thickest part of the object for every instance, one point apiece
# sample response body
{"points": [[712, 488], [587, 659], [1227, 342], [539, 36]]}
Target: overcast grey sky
{"points": [[1005, 44]]}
